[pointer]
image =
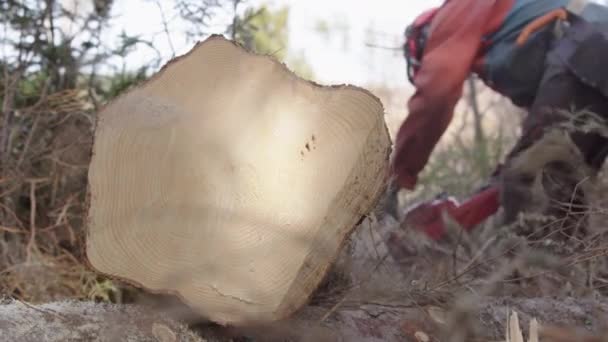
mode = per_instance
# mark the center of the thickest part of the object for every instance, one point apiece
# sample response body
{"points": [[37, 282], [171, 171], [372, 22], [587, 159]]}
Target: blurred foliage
{"points": [[266, 32], [467, 156], [123, 81], [50, 46], [464, 165], [300, 66], [199, 14], [263, 31], [323, 28], [337, 28], [258, 28]]}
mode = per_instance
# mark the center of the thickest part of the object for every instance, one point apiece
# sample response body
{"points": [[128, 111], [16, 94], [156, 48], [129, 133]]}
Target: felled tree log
{"points": [[85, 321], [232, 183]]}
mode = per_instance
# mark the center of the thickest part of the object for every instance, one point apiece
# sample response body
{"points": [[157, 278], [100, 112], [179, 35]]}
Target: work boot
{"points": [[548, 182]]}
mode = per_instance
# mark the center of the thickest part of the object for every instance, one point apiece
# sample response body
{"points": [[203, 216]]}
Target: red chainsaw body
{"points": [[427, 216]]}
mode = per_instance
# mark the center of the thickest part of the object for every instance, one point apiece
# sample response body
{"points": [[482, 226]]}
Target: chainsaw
{"points": [[427, 216]]}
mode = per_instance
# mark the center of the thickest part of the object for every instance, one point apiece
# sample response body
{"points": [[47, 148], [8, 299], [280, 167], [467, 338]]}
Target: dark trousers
{"points": [[568, 92]]}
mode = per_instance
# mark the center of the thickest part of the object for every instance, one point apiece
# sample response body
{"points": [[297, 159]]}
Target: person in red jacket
{"points": [[544, 55]]}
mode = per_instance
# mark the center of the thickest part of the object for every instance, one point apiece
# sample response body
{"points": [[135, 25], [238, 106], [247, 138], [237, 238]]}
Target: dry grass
{"points": [[43, 203], [532, 259]]}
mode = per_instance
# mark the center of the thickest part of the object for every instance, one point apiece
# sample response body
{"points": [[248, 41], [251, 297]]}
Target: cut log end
{"points": [[231, 182]]}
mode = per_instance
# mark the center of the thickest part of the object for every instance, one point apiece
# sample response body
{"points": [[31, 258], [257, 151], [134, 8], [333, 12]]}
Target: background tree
{"points": [[267, 32]]}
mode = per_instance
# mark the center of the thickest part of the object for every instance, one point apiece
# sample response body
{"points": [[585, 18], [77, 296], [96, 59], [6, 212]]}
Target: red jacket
{"points": [[452, 52]]}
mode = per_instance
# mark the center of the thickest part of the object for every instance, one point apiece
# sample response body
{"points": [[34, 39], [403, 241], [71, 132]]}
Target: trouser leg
{"points": [[555, 170]]}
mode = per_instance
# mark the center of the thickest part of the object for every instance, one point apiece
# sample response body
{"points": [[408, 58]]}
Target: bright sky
{"points": [[343, 59]]}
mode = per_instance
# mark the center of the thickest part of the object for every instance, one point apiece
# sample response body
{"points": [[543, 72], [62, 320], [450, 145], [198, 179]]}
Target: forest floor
{"points": [[390, 283]]}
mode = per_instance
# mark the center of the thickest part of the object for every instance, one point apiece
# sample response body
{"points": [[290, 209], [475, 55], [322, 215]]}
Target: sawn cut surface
{"points": [[232, 183]]}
